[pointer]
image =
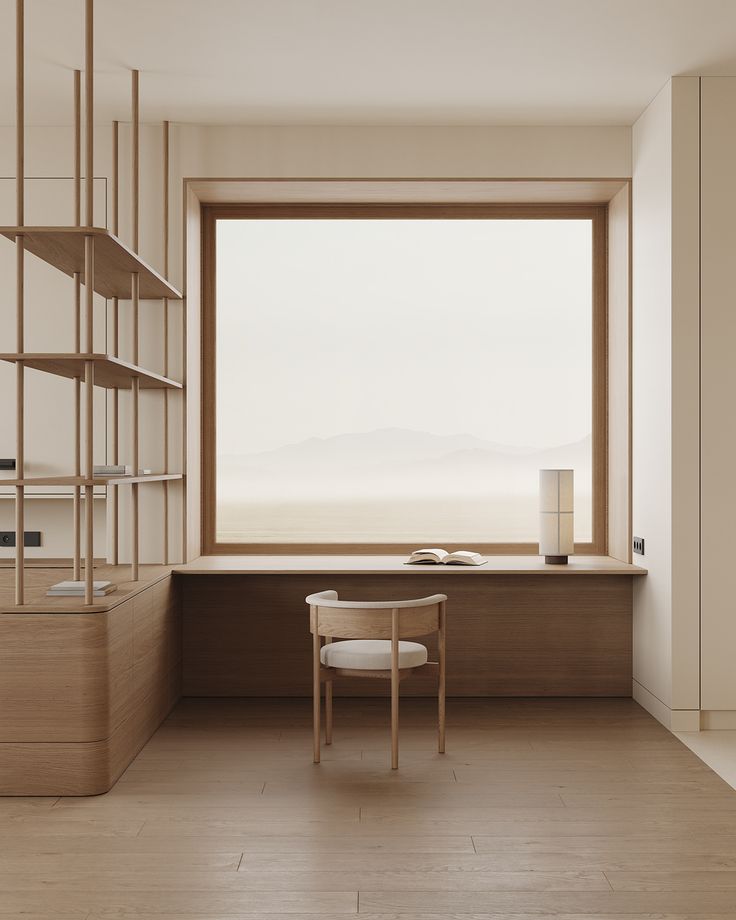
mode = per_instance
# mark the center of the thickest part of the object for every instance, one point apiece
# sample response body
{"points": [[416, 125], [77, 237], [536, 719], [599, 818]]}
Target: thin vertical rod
{"points": [[166, 335], [184, 410], [115, 179], [89, 383], [441, 684], [115, 524], [135, 159], [316, 683], [89, 281], [20, 304], [395, 689], [135, 302], [89, 111], [77, 508], [89, 291], [134, 529], [134, 184], [77, 148]]}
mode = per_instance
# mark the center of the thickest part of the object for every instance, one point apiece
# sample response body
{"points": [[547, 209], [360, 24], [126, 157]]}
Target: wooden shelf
{"points": [[96, 481], [144, 477], [63, 247], [48, 496], [111, 373]]}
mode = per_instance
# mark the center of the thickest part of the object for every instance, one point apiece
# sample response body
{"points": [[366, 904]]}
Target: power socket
{"points": [[30, 538], [639, 545]]}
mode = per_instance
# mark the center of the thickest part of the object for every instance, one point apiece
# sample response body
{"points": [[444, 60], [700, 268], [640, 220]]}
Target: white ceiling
{"points": [[368, 61]]}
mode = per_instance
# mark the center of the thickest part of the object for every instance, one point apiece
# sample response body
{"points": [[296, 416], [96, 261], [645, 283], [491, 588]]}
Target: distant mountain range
{"points": [[404, 454]]}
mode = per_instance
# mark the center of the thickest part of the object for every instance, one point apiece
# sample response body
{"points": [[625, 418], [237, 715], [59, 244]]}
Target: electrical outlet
{"points": [[639, 545], [30, 538]]}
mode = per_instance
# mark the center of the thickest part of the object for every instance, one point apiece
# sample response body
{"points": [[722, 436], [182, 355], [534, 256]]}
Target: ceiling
{"points": [[417, 62]]}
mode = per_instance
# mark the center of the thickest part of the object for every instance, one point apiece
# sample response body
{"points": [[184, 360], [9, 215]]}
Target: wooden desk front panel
{"points": [[506, 635]]}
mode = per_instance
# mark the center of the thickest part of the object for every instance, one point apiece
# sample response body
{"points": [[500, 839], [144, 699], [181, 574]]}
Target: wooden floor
{"points": [[564, 809]]}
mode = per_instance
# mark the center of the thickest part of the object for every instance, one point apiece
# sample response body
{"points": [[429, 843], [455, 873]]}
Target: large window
{"points": [[387, 377]]}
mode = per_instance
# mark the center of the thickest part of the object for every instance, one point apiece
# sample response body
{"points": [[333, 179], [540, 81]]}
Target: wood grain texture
{"points": [[374, 564], [63, 247], [222, 815], [109, 372], [80, 693], [506, 636], [349, 623]]}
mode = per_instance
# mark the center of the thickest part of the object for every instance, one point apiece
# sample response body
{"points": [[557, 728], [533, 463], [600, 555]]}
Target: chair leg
{"points": [[394, 724], [316, 696], [441, 717], [328, 712], [441, 683], [394, 689]]}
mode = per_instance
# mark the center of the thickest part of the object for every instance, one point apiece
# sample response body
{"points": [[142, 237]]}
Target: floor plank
{"points": [[570, 809]]}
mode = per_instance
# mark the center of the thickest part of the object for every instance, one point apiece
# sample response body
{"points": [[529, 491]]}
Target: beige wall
{"points": [[665, 412]]}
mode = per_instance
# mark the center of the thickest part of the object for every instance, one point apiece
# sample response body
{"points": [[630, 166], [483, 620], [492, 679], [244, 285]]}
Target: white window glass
{"points": [[400, 381]]}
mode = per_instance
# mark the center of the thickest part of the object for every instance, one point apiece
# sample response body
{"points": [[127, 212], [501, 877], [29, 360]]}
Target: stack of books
{"points": [[112, 469], [76, 589]]}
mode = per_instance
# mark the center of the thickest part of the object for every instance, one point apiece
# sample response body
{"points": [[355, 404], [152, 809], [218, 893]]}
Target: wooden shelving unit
{"points": [[108, 372], [115, 263], [99, 262]]}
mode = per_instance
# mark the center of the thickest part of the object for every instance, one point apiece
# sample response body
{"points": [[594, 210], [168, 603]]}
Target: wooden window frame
{"points": [[596, 213]]}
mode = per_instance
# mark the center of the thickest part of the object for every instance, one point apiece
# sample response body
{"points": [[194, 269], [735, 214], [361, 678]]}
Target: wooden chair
{"points": [[374, 630]]}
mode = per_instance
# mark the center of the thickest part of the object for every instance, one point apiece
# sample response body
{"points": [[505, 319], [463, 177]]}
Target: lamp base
{"points": [[555, 560]]}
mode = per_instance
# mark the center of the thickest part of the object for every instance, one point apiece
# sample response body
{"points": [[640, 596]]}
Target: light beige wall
{"points": [[665, 417], [685, 382], [718, 312]]}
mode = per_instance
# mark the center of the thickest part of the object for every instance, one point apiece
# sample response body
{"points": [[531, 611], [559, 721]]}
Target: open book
{"points": [[437, 556]]}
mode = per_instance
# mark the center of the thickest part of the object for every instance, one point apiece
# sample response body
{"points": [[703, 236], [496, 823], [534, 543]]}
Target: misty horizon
{"points": [[390, 380]]}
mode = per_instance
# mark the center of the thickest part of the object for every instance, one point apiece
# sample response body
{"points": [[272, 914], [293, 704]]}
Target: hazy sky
{"points": [[445, 326]]}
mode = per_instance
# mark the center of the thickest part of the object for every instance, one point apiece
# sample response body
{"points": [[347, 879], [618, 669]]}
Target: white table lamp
{"points": [[556, 505]]}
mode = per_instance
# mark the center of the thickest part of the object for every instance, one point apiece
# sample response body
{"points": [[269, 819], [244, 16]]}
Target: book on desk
{"points": [[437, 556]]}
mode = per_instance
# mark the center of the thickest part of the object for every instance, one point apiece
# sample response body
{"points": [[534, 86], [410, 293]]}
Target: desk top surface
{"points": [[396, 565]]}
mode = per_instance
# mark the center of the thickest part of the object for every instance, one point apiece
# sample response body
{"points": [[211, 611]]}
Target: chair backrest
{"points": [[338, 619]]}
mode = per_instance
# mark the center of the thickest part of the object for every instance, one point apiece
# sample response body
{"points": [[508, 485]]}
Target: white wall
{"points": [[665, 413]]}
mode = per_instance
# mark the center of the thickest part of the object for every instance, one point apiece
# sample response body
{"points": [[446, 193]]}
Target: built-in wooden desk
{"points": [[83, 688], [516, 627], [396, 565]]}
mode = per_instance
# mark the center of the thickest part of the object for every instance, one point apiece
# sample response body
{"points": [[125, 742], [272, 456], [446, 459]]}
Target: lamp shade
{"points": [[556, 515]]}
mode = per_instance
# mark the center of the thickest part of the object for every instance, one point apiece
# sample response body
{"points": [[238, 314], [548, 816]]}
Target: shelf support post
{"points": [[135, 296], [135, 523], [20, 303], [115, 498], [77, 508], [89, 287], [166, 334]]}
